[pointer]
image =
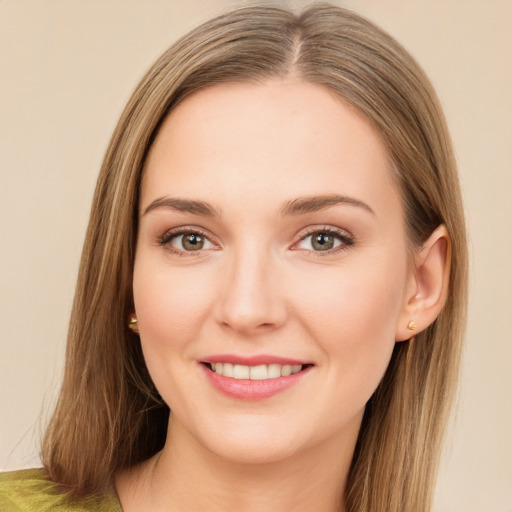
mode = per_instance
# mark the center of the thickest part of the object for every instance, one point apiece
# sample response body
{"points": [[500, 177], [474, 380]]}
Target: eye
{"points": [[181, 241], [324, 240]]}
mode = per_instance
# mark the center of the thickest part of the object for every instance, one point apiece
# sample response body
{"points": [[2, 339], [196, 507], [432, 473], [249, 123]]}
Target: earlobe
{"points": [[428, 285], [133, 322]]}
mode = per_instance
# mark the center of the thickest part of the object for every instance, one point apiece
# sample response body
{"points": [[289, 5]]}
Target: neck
{"points": [[186, 477]]}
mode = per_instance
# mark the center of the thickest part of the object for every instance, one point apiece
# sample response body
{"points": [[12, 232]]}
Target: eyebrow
{"points": [[298, 206], [184, 205], [310, 204]]}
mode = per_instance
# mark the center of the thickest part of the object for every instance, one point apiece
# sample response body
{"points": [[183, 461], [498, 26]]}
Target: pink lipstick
{"points": [[255, 377]]}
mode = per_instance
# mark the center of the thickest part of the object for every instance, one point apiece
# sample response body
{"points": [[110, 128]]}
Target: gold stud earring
{"points": [[133, 323], [411, 325]]}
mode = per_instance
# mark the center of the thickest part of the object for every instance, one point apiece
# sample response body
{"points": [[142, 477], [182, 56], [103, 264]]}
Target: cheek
{"points": [[170, 304], [366, 300], [352, 317], [171, 308]]}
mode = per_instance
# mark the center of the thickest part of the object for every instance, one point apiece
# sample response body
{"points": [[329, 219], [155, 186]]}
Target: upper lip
{"points": [[255, 360]]}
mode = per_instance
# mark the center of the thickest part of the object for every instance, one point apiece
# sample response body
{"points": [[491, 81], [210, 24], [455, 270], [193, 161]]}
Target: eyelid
{"points": [[346, 239], [165, 239]]}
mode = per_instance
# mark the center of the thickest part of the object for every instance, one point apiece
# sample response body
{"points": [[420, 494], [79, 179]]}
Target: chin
{"points": [[256, 450], [251, 438], [258, 439]]}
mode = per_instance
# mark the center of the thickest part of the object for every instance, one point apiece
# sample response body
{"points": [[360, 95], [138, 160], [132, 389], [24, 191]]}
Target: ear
{"points": [[427, 285]]}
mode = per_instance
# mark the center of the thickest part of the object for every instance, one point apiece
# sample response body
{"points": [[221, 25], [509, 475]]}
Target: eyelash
{"points": [[165, 240], [346, 240]]}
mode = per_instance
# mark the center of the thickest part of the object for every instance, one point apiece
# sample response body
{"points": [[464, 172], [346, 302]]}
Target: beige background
{"points": [[67, 68]]}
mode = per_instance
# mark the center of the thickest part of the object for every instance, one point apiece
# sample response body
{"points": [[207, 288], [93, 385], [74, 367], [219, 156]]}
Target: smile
{"points": [[261, 377], [259, 372]]}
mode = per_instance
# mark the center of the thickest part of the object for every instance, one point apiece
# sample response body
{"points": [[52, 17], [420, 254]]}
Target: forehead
{"points": [[277, 140]]}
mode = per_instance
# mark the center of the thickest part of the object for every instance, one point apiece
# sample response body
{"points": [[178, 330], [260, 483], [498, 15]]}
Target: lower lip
{"points": [[247, 389]]}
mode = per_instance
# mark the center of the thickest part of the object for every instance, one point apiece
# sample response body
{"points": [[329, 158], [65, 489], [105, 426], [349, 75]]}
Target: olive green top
{"points": [[29, 490]]}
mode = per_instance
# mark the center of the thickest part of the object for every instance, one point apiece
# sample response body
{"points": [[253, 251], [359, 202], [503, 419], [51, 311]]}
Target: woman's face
{"points": [[271, 239]]}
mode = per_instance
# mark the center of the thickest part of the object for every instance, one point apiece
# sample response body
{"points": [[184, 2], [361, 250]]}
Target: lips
{"points": [[253, 378]]}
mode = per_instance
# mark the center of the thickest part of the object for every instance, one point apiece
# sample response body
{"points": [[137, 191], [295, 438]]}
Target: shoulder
{"points": [[30, 490]]}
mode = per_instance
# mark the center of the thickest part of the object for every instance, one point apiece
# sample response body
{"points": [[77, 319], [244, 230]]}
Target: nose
{"points": [[251, 299]]}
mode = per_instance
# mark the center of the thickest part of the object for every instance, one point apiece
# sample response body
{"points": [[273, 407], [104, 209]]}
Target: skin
{"points": [[259, 286]]}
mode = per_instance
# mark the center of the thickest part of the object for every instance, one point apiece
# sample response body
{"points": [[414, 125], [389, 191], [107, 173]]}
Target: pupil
{"points": [[323, 242], [193, 242]]}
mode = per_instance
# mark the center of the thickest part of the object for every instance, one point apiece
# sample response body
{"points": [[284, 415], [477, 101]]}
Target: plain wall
{"points": [[67, 68]]}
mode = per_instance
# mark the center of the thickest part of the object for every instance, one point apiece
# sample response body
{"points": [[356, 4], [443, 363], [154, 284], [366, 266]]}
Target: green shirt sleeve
{"points": [[29, 490]]}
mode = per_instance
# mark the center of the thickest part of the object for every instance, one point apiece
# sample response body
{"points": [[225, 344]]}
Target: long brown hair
{"points": [[109, 415]]}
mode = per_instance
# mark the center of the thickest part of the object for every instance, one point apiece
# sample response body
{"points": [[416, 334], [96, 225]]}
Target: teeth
{"points": [[286, 370], [227, 370], [240, 371], [260, 372], [273, 371]]}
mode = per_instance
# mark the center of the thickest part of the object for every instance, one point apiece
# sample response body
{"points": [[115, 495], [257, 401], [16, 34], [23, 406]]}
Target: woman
{"points": [[276, 253]]}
